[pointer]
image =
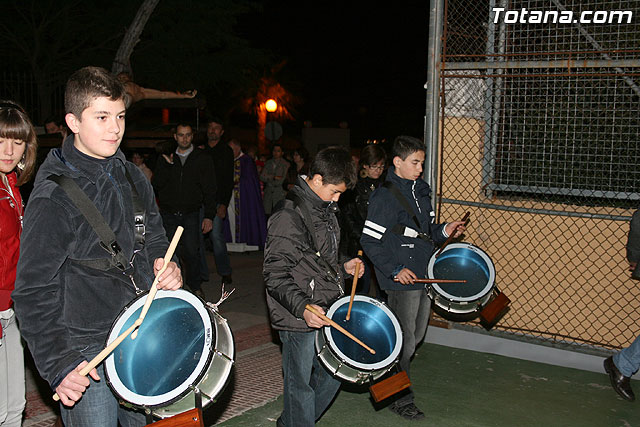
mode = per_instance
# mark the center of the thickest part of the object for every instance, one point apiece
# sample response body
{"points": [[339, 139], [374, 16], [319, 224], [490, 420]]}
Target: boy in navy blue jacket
{"points": [[399, 237]]}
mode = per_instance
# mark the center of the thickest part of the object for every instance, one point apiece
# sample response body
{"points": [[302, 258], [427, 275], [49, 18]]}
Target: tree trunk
{"points": [[122, 60]]}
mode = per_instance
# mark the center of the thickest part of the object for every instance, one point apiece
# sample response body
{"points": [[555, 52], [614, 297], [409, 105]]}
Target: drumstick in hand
{"points": [[436, 281], [102, 355], [353, 287], [108, 349], [338, 327], [154, 285], [450, 238]]}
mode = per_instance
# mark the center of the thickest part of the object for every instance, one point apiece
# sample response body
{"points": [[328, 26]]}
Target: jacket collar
{"points": [[12, 179], [400, 182], [312, 198], [418, 188], [84, 165]]}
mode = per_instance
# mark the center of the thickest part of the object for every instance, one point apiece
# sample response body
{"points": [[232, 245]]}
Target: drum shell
{"points": [[380, 321], [217, 375], [465, 261], [215, 357]]}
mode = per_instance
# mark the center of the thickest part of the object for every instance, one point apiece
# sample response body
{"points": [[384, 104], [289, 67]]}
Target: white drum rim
{"points": [[327, 331], [169, 397], [457, 298]]}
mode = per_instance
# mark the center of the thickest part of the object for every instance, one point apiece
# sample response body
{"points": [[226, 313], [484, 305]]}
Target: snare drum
{"points": [[373, 323], [181, 345], [462, 261]]}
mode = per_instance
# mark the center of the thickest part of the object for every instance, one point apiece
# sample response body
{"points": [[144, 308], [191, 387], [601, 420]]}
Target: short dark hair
{"points": [[276, 144], [335, 166], [183, 125], [404, 146], [215, 119], [88, 83], [15, 124], [372, 154], [302, 152]]}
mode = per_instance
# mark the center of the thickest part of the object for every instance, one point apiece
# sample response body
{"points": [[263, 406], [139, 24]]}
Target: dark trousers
{"points": [[309, 388], [412, 308], [189, 243]]}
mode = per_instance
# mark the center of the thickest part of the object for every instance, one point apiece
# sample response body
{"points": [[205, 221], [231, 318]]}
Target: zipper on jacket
{"points": [[13, 202], [415, 199], [334, 244]]}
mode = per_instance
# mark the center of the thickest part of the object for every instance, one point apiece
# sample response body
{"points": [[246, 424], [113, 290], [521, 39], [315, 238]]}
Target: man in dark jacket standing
{"points": [[301, 267], [184, 181], [399, 241], [222, 156]]}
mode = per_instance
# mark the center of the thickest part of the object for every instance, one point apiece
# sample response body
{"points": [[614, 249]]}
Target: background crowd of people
{"points": [[249, 187]]}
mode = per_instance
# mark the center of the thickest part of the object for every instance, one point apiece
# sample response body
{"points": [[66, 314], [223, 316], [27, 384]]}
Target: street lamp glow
{"points": [[271, 105]]}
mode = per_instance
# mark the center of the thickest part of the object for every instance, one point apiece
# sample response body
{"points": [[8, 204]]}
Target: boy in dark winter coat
{"points": [[302, 266], [400, 244], [69, 286]]}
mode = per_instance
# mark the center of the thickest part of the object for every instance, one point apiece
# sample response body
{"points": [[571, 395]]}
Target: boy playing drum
{"points": [[302, 266], [399, 237]]}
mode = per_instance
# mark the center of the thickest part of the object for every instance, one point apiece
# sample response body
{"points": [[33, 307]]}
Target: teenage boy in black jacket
{"points": [[64, 301], [295, 276], [400, 249]]}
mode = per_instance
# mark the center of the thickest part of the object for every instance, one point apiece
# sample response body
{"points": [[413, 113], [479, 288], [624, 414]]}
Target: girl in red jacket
{"points": [[17, 163]]}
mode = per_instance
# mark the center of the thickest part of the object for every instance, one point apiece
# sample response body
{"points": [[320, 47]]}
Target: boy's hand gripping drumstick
{"points": [[338, 327], [450, 238], [108, 349]]}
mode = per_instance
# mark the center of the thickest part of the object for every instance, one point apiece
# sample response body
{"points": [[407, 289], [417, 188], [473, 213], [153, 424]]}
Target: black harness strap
{"points": [[95, 219], [139, 218]]}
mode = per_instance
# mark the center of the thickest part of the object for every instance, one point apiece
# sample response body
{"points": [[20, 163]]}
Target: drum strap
{"points": [[95, 219], [401, 229], [306, 218]]}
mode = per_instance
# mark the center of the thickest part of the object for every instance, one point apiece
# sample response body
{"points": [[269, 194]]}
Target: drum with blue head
{"points": [[373, 323], [461, 261], [182, 345]]}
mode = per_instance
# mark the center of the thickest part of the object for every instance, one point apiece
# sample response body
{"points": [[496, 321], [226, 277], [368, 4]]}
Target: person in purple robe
{"points": [[246, 224]]}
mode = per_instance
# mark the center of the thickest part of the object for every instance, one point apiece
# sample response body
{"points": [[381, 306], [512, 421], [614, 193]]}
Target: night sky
{"points": [[354, 61]]}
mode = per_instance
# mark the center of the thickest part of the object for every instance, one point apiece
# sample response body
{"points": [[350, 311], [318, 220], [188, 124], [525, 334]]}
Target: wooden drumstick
{"points": [[338, 327], [154, 286], [103, 354], [353, 287], [436, 281], [108, 349], [450, 238]]}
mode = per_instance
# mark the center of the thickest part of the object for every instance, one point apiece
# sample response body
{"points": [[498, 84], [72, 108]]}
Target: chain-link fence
{"points": [[539, 140]]}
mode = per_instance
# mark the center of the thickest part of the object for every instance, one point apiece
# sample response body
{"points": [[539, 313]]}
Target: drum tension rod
{"points": [[148, 414], [197, 395]]}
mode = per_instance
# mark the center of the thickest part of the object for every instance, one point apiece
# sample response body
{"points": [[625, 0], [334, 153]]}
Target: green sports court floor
{"points": [[457, 387]]}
